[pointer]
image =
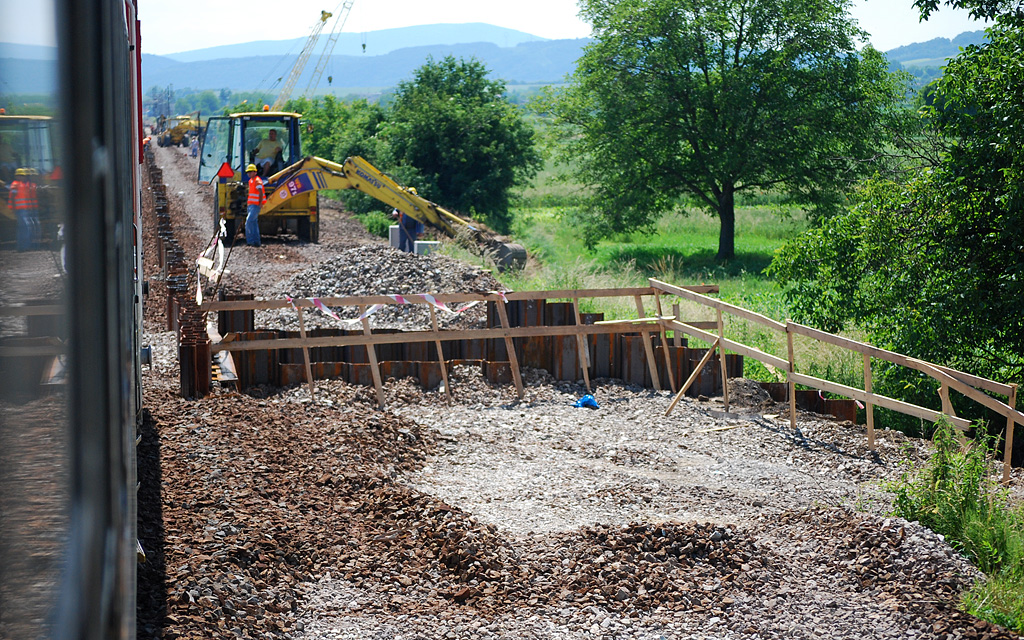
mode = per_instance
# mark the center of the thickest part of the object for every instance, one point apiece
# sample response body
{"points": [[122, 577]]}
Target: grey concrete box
{"points": [[394, 233], [426, 247]]}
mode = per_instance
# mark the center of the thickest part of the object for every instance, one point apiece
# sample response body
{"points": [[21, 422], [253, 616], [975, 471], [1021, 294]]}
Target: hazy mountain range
{"points": [[391, 55]]}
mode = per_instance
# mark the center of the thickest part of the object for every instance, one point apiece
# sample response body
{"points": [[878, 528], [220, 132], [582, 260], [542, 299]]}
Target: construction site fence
{"points": [[659, 362]]}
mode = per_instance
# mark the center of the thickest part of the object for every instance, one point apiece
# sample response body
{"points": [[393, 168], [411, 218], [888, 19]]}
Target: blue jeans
{"points": [[26, 229], [252, 226], [409, 230]]}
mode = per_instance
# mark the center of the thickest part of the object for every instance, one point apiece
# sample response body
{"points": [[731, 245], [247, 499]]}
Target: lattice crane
{"points": [[293, 76]]}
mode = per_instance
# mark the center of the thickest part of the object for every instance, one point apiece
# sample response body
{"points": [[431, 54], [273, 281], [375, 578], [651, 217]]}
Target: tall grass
{"points": [[955, 495]]}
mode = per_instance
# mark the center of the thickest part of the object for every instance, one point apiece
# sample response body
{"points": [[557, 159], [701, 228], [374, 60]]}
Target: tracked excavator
{"points": [[294, 182]]}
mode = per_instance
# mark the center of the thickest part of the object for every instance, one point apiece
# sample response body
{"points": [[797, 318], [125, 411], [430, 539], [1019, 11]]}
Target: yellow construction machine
{"points": [[312, 174], [293, 181]]}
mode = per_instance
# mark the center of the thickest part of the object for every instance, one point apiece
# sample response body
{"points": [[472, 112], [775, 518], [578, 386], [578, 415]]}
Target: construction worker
{"points": [[256, 199], [409, 228], [268, 152], [21, 199]]}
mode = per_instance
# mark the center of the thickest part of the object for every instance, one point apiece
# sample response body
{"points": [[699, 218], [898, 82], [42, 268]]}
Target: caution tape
{"points": [[416, 298]]}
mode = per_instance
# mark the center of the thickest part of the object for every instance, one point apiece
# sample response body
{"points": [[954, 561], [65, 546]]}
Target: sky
{"points": [[182, 25]]}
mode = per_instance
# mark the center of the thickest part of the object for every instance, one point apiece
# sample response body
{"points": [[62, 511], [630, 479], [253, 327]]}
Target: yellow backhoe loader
{"points": [[293, 182], [314, 174]]}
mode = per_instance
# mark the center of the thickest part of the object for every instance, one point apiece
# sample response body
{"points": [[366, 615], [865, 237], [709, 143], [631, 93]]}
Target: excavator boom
{"points": [[316, 174]]}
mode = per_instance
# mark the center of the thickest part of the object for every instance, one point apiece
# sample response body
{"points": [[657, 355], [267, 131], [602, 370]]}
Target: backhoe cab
{"points": [[232, 142]]}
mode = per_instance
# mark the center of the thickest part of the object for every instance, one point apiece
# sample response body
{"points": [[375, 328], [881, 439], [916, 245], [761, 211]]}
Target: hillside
{"points": [[528, 62], [377, 42]]}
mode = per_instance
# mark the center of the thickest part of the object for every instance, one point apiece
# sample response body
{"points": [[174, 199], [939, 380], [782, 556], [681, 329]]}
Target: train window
{"points": [[35, 491]]}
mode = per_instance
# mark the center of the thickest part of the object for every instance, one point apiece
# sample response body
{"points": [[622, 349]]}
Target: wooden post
{"points": [[371, 353], [677, 338], [583, 347], [1008, 442], [651, 364], [869, 408], [693, 376], [792, 384], [947, 406], [305, 354], [513, 361], [664, 344], [721, 352], [440, 355]]}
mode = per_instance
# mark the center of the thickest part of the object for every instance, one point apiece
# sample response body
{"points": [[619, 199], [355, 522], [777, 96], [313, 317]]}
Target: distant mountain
{"points": [[27, 51], [937, 49], [377, 42], [540, 62]]}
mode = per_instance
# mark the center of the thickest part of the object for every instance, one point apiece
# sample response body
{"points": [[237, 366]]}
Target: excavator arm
{"points": [[315, 174]]}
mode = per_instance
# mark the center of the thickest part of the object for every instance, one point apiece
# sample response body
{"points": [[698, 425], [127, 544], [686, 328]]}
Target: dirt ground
{"points": [[270, 514]]}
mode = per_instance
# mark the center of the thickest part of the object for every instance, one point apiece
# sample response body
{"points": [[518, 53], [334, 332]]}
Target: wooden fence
{"points": [[656, 322]]}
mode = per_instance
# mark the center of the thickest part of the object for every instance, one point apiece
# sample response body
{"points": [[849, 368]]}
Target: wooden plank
{"points": [[305, 356], [677, 340], [688, 294], [736, 347], [354, 301], [790, 372], [648, 349], [440, 356], [721, 352], [869, 408], [664, 343], [898, 358], [1008, 441], [881, 401], [513, 361], [693, 376], [371, 354], [583, 347], [233, 344], [972, 393]]}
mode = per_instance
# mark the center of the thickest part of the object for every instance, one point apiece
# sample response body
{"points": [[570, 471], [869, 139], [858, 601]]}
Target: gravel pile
{"points": [[380, 269]]}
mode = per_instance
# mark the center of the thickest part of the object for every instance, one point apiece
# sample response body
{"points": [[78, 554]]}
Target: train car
{"points": [[70, 311]]}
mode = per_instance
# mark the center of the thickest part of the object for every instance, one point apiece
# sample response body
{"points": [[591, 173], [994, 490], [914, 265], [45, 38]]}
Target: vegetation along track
{"points": [[267, 514]]}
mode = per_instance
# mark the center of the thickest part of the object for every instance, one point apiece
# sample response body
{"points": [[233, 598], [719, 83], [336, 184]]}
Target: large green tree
{"points": [[706, 99], [469, 145]]}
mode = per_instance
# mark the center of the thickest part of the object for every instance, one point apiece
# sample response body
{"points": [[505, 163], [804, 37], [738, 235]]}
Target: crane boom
{"points": [[332, 39], [300, 63]]}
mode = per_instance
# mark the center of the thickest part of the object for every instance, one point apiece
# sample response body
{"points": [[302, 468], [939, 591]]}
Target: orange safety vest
{"points": [[256, 195], [33, 194], [20, 195]]}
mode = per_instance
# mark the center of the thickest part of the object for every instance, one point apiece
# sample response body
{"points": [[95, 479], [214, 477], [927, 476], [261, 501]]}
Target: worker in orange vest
{"points": [[21, 198], [256, 199]]}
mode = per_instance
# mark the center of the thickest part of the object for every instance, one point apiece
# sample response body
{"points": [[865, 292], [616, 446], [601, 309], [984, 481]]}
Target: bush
{"points": [[377, 223], [955, 496]]}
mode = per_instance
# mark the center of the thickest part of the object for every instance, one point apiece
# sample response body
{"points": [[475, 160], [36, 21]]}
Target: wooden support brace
{"points": [[869, 408], [440, 356], [513, 361], [677, 338], [305, 356], [664, 344], [651, 364], [1008, 442], [583, 347], [693, 376], [947, 406], [792, 383], [721, 353], [371, 353]]}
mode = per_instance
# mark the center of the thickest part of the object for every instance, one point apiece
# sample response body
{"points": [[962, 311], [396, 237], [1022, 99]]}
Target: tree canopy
{"points": [[933, 266], [705, 99], [468, 144]]}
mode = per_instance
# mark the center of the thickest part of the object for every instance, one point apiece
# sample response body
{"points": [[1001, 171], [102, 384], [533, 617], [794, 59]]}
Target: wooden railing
{"points": [[969, 385], [713, 333]]}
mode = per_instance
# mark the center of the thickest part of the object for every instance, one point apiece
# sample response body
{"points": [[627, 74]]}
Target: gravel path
{"points": [[268, 514]]}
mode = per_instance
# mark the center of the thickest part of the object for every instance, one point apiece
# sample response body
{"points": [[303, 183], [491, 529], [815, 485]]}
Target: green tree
{"points": [[933, 266], [468, 144], [705, 99]]}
